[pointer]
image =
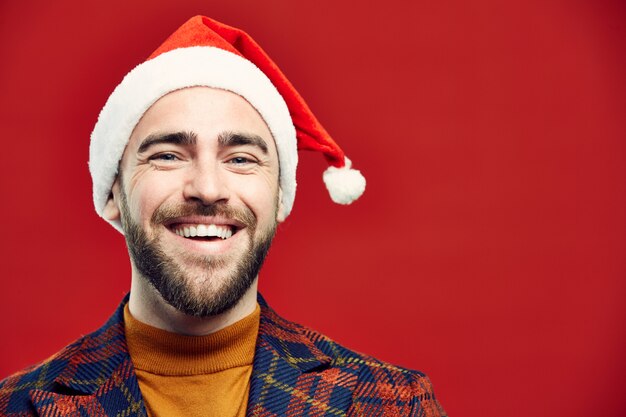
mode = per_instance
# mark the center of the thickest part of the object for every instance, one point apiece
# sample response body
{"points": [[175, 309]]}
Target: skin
{"points": [[240, 174]]}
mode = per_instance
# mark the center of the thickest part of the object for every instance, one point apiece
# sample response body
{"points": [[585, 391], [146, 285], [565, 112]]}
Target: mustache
{"points": [[170, 212]]}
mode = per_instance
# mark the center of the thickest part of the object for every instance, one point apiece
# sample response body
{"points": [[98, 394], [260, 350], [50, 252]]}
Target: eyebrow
{"points": [[228, 139], [177, 138]]}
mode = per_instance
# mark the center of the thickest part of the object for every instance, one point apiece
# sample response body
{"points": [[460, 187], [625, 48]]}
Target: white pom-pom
{"points": [[344, 184]]}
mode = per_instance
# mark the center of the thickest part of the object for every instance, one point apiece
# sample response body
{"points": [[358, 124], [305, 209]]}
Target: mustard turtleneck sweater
{"points": [[193, 375]]}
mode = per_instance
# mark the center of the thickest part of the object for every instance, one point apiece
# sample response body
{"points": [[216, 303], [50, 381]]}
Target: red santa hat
{"points": [[204, 52]]}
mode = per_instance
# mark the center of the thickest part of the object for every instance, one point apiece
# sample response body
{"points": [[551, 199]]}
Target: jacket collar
{"points": [[98, 378], [290, 373]]}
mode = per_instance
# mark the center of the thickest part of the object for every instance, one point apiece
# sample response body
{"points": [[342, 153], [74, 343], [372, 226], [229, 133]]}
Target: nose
{"points": [[205, 184]]}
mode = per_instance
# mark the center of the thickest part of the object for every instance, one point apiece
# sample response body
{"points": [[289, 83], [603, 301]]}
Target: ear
{"points": [[111, 210], [280, 213]]}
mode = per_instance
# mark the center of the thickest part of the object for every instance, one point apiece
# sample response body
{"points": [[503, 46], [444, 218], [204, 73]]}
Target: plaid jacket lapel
{"points": [[98, 378], [292, 376]]}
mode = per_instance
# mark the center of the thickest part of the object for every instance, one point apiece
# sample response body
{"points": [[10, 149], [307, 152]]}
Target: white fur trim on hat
{"points": [[180, 68]]}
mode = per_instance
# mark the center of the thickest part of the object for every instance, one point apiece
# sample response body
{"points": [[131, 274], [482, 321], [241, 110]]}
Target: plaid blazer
{"points": [[296, 372]]}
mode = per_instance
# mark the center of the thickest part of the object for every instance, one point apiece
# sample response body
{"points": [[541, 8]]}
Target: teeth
{"points": [[205, 230]]}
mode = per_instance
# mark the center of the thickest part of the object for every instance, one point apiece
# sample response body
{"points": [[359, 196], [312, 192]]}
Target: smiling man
{"points": [[198, 199], [193, 159]]}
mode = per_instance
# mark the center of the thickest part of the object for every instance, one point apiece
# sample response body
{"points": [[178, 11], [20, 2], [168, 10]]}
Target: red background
{"points": [[488, 249]]}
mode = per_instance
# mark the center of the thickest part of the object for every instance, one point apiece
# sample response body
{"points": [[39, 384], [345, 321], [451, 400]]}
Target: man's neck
{"points": [[147, 306]]}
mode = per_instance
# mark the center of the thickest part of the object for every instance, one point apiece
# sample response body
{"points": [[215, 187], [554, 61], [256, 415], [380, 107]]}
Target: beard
{"points": [[217, 287]]}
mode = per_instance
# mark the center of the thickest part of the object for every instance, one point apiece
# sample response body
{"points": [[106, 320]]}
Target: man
{"points": [[193, 158]]}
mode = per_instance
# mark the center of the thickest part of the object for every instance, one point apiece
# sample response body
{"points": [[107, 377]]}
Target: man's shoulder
{"points": [[370, 368], [81, 364], [15, 389], [340, 356], [376, 384]]}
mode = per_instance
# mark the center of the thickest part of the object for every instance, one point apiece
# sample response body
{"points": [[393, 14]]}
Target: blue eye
{"points": [[238, 160], [165, 157]]}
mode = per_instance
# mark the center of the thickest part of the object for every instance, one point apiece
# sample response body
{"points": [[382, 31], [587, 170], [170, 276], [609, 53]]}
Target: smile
{"points": [[203, 231]]}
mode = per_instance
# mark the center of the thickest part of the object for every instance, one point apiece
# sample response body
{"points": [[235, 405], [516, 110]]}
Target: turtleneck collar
{"points": [[165, 353]]}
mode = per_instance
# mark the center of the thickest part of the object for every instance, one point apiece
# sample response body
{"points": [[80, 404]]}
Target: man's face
{"points": [[198, 198]]}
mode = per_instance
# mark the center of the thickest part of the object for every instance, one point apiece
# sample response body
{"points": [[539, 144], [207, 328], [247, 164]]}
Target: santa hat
{"points": [[204, 52]]}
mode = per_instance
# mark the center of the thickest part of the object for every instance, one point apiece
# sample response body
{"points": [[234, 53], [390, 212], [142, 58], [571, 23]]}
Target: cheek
{"points": [[147, 195], [146, 205], [261, 197]]}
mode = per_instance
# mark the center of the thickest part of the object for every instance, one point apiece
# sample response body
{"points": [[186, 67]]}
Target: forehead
{"points": [[205, 111]]}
